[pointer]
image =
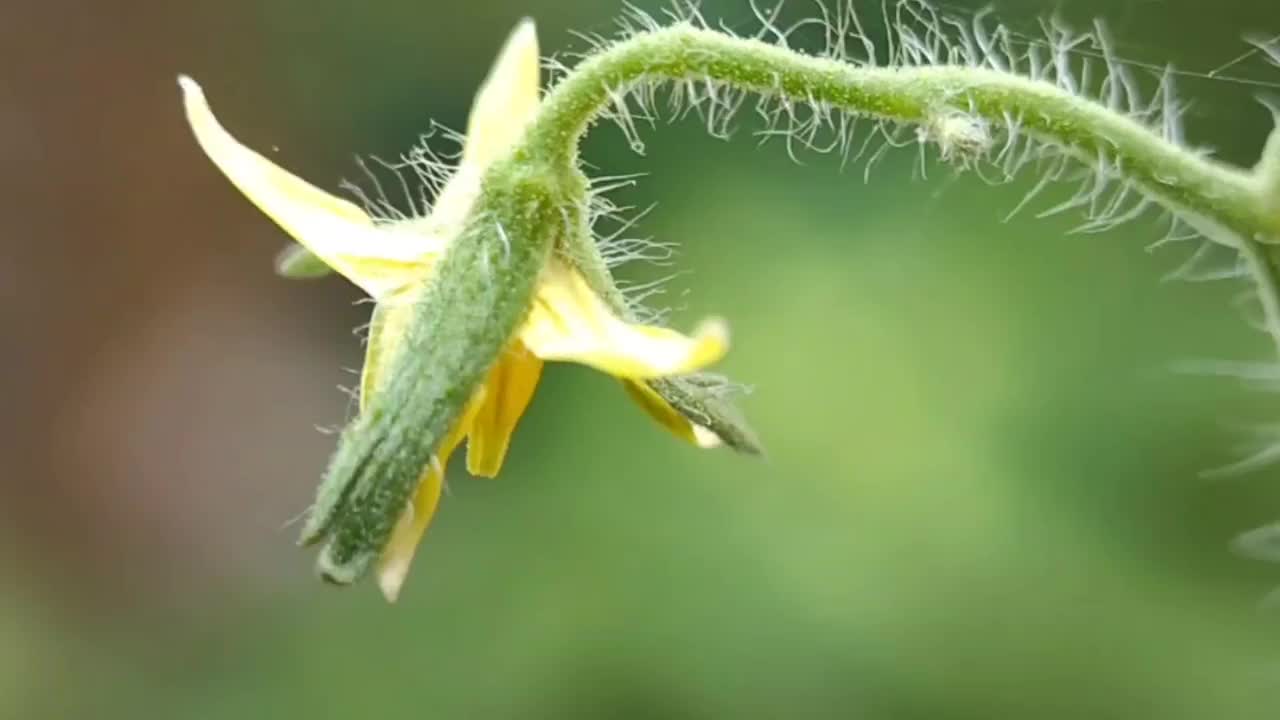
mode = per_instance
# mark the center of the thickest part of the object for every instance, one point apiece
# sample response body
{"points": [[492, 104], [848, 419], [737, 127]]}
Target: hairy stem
{"points": [[1172, 174], [1237, 203]]}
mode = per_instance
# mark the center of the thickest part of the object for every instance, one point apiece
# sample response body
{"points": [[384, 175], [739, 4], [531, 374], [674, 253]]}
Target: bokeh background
{"points": [[984, 495]]}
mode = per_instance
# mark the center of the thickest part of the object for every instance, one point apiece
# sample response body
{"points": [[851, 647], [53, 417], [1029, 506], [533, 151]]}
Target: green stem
{"points": [[1242, 203], [1174, 175]]}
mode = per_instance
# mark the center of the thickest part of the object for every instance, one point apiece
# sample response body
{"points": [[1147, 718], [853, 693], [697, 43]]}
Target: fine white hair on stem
{"points": [[913, 33], [612, 227], [1093, 181], [1096, 185], [402, 190], [902, 34], [1261, 544], [1268, 46]]}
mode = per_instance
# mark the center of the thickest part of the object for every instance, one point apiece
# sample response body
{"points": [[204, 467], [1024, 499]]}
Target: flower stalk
{"points": [[1181, 179], [505, 273]]}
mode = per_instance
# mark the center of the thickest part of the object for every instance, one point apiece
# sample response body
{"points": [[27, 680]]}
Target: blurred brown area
{"points": [[125, 273]]}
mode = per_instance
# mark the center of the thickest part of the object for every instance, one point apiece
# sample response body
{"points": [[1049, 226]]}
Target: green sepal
{"points": [[704, 399], [463, 319], [298, 263]]}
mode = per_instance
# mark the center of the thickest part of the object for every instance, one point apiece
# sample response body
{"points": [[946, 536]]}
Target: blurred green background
{"points": [[983, 496]]}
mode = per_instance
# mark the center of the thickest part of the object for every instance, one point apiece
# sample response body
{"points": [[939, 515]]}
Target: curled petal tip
{"points": [[391, 579], [705, 439], [190, 88], [708, 344], [571, 323], [524, 36], [714, 331]]}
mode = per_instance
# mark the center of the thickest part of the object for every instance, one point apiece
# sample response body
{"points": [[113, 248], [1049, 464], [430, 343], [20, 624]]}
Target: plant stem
{"points": [[1237, 201], [1179, 178]]}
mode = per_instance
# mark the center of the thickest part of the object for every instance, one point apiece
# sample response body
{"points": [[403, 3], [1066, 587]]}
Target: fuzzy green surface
{"points": [[1174, 175], [464, 319], [702, 399], [298, 263]]}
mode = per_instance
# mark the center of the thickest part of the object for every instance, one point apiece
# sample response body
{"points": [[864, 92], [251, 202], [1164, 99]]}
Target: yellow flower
{"points": [[391, 259]]}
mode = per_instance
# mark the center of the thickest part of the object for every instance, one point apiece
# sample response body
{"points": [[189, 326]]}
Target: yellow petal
{"points": [[376, 258], [387, 328], [393, 566], [509, 389], [503, 108], [570, 322], [670, 418], [507, 101]]}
